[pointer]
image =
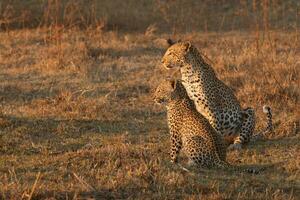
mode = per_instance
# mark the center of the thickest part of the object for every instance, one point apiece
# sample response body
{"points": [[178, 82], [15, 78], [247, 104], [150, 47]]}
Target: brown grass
{"points": [[137, 15], [77, 118]]}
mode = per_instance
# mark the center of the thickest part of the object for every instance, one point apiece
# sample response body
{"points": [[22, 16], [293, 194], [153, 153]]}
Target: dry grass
{"points": [[77, 119], [137, 15]]}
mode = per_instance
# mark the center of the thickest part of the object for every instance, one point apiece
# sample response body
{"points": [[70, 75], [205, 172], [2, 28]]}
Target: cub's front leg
{"points": [[176, 145]]}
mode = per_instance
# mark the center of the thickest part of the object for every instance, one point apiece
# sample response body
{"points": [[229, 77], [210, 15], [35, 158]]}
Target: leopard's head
{"points": [[177, 55], [167, 91]]}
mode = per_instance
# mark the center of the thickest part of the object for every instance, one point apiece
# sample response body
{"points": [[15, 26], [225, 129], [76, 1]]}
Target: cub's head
{"points": [[177, 54], [167, 91]]}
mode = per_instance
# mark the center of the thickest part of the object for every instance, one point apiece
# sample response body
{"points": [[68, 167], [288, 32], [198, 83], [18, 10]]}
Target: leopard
{"points": [[190, 131], [213, 98]]}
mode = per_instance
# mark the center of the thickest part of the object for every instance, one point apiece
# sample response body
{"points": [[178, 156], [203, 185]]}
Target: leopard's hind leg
{"points": [[247, 129], [200, 151]]}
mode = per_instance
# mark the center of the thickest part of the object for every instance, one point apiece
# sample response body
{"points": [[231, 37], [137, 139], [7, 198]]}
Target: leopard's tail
{"points": [[227, 166], [269, 128]]}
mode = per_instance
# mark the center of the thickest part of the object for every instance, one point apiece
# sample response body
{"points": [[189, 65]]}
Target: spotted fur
{"points": [[213, 99], [191, 131]]}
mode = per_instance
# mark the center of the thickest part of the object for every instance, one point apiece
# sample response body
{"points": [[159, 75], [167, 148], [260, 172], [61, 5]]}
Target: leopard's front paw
{"points": [[236, 146]]}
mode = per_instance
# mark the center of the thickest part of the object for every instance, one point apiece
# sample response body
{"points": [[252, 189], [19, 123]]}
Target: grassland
{"points": [[137, 15], [77, 119]]}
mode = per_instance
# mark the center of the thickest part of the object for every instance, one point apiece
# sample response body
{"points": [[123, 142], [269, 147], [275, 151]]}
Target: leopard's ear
{"points": [[170, 42], [173, 83], [187, 46]]}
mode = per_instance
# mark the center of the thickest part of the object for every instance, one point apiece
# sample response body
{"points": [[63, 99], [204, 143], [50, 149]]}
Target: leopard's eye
{"points": [[169, 53]]}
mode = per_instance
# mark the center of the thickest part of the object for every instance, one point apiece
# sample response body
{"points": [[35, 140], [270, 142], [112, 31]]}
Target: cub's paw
{"points": [[253, 171], [257, 137], [183, 168]]}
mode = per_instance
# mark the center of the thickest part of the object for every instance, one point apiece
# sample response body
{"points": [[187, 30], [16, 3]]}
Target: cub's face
{"points": [[164, 92], [175, 55]]}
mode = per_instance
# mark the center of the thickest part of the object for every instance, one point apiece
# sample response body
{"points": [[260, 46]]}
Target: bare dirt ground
{"points": [[77, 119]]}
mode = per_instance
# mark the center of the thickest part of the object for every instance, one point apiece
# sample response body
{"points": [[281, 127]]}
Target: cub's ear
{"points": [[173, 83], [187, 46]]}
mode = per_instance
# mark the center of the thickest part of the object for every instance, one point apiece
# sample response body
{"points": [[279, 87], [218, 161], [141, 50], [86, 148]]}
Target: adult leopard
{"points": [[213, 99]]}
